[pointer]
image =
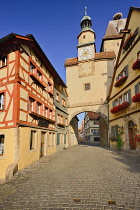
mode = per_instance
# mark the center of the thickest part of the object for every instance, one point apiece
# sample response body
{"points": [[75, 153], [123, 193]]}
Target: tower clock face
{"points": [[85, 53]]}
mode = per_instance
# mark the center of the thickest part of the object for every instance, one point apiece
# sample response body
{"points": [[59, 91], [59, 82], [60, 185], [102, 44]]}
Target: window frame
{"points": [[2, 138], [1, 61], [2, 101], [85, 86], [33, 140]]}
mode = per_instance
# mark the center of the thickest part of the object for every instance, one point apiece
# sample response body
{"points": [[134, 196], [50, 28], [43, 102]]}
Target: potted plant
{"points": [[120, 107], [136, 98], [120, 81]]}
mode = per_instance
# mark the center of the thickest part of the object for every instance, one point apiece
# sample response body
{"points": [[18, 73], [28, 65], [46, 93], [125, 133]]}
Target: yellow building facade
{"points": [[124, 96]]}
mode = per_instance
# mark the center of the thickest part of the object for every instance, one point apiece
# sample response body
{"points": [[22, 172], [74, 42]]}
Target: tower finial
{"points": [[85, 10]]}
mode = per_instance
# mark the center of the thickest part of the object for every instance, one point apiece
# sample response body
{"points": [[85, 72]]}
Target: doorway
{"points": [[131, 135], [42, 149]]}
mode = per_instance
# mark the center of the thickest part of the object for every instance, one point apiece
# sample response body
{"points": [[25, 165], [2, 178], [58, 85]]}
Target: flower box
{"points": [[137, 138], [129, 41], [120, 81], [136, 98], [120, 107], [136, 65]]}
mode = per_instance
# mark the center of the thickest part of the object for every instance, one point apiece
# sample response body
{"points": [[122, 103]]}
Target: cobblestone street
{"points": [[80, 177]]}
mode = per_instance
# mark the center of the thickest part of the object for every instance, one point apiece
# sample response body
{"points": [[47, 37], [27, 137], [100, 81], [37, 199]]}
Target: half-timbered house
{"points": [[27, 111]]}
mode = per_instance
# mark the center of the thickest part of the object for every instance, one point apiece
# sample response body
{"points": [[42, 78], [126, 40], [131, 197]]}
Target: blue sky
{"points": [[55, 24]]}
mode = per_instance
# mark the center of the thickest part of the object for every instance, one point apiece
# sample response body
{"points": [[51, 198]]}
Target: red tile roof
{"points": [[104, 55], [93, 116], [101, 55], [71, 61]]}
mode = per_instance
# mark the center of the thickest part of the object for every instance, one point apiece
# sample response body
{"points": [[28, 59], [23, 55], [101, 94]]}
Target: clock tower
{"points": [[86, 39]]}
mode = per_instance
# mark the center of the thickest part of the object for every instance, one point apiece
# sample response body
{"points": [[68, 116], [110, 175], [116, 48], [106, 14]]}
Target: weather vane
{"points": [[85, 10]]}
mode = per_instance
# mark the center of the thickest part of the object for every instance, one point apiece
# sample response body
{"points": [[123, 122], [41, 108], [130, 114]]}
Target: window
{"points": [[120, 99], [123, 73], [95, 131], [66, 121], [63, 102], [95, 122], [1, 101], [57, 97], [31, 104], [46, 112], [87, 86], [3, 61], [137, 88], [33, 140], [114, 132], [50, 114], [38, 110], [49, 87], [126, 97], [84, 36], [116, 102], [1, 145], [39, 75], [32, 67]]}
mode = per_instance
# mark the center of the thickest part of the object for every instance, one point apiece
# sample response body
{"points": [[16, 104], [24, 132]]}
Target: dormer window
{"points": [[3, 61]]}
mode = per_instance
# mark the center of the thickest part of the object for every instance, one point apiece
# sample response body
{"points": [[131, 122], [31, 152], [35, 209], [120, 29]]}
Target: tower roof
{"points": [[86, 22]]}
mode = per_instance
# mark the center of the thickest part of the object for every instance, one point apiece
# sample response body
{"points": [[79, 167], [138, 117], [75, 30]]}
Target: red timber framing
{"points": [[27, 77]]}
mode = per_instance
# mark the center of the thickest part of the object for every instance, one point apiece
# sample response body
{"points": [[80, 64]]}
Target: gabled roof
{"points": [[15, 39], [93, 116], [120, 50]]}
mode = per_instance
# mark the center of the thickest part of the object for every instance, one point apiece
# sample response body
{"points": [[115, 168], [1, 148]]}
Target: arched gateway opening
{"points": [[92, 129]]}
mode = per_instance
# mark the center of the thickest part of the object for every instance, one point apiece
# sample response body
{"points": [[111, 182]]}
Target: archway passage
{"points": [[93, 129]]}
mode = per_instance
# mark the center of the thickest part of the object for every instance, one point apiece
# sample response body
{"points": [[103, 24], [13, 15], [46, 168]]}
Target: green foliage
{"points": [[119, 139]]}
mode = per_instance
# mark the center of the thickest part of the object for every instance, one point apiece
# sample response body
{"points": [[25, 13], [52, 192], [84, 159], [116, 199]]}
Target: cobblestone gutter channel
{"points": [[80, 177]]}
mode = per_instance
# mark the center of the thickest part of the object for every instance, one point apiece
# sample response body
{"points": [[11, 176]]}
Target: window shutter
{"points": [[113, 103], [136, 88], [129, 95], [126, 71], [116, 131]]}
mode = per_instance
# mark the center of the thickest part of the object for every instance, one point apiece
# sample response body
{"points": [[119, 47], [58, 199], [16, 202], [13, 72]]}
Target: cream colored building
{"points": [[88, 76], [124, 95]]}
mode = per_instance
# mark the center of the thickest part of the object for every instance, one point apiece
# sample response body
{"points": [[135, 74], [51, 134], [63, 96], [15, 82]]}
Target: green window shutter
{"points": [[58, 138], [129, 95], [136, 88], [64, 138], [126, 70]]}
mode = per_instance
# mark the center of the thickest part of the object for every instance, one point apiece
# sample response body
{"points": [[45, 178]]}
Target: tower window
{"points": [[84, 36], [87, 86]]}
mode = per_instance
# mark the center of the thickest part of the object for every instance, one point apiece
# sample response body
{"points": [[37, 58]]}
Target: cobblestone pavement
{"points": [[80, 177]]}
